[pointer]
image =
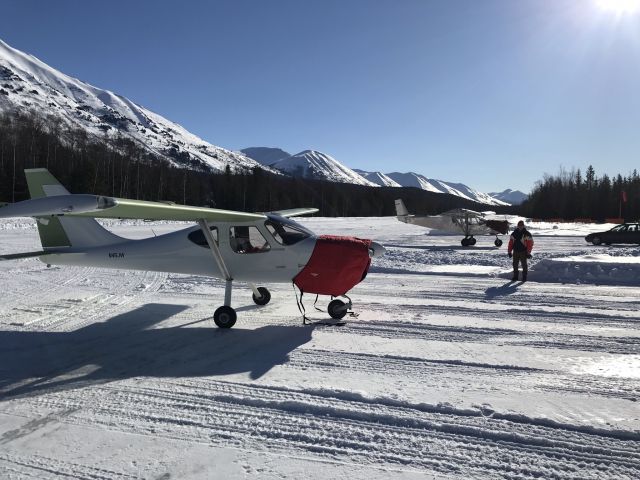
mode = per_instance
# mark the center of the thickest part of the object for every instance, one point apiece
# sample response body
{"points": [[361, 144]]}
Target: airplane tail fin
{"points": [[401, 210], [64, 231]]}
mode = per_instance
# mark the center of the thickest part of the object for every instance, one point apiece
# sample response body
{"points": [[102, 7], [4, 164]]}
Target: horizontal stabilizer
{"points": [[17, 256], [58, 205], [295, 212]]}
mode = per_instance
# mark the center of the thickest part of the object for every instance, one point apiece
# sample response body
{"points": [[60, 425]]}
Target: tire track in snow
{"points": [[347, 425], [498, 336], [37, 466], [53, 309], [438, 371]]}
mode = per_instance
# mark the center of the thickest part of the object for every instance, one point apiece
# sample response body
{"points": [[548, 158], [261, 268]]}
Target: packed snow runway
{"points": [[449, 370]]}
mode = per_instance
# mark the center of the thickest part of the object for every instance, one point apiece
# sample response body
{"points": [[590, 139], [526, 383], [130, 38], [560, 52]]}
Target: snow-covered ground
{"points": [[449, 371]]}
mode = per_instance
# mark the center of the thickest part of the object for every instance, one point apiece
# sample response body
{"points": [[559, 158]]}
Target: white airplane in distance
{"points": [[468, 222], [249, 247]]}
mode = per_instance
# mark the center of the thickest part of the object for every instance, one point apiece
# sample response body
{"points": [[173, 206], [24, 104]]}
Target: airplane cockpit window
{"points": [[619, 228], [286, 233], [247, 240], [197, 237], [633, 228]]}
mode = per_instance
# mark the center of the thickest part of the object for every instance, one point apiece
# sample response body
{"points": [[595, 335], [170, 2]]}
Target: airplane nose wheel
{"points": [[264, 298], [498, 242], [337, 309], [225, 317]]}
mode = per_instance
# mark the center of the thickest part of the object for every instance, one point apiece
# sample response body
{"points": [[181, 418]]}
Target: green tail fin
{"points": [[64, 231], [40, 181]]}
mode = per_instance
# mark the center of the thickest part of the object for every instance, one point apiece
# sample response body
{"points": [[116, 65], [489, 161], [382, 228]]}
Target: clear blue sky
{"points": [[492, 93]]}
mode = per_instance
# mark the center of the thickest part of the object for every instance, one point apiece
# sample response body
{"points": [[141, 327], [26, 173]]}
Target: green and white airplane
{"points": [[248, 247]]}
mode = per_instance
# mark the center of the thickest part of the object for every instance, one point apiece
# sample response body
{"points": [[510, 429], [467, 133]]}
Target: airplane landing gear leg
{"points": [[261, 296], [224, 316]]}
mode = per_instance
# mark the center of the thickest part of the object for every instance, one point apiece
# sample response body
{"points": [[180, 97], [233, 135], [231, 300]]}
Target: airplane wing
{"points": [[295, 212], [462, 212], [95, 206]]}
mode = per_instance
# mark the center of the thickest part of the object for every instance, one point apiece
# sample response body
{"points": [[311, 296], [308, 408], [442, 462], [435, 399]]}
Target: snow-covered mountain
{"points": [[412, 179], [319, 166], [27, 83], [378, 178], [514, 197], [265, 155]]}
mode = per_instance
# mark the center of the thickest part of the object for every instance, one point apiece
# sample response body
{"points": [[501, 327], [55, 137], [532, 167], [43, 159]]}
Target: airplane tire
{"points": [[596, 240], [464, 242], [498, 243], [336, 309], [265, 296], [472, 241], [225, 317]]}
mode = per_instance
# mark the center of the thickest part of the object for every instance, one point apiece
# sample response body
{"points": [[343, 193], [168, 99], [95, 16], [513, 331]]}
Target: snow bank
{"points": [[601, 269], [557, 229]]}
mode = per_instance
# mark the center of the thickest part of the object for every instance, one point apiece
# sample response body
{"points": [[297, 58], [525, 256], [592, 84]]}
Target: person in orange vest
{"points": [[520, 246]]}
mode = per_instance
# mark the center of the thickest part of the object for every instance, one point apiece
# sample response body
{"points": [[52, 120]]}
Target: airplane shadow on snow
{"points": [[128, 346]]}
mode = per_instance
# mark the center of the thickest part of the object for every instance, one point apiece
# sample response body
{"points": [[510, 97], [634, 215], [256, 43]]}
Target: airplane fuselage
{"points": [[176, 252], [447, 224]]}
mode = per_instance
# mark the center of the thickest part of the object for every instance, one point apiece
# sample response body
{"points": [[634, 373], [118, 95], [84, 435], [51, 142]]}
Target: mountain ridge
{"points": [[514, 197], [27, 83], [320, 166]]}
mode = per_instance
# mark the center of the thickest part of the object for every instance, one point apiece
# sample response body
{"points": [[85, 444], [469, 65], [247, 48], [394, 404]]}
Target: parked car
{"points": [[625, 233]]}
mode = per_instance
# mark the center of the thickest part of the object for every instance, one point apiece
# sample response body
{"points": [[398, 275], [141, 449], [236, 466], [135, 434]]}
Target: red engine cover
{"points": [[500, 226], [337, 264]]}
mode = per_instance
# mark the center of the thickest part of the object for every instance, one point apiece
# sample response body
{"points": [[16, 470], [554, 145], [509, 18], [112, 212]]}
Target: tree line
{"points": [[117, 166], [572, 195]]}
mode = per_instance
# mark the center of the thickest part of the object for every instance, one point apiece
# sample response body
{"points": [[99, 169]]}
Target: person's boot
{"points": [[524, 277], [515, 276]]}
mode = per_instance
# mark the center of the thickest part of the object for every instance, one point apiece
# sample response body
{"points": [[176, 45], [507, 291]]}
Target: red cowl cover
{"points": [[337, 264]]}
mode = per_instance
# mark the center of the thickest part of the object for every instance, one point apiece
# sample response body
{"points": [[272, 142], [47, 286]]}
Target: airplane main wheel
{"points": [[264, 298], [596, 240], [472, 241], [225, 317], [498, 242], [464, 242], [337, 309]]}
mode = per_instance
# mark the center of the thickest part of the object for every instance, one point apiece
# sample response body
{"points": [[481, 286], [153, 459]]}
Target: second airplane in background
{"points": [[459, 220]]}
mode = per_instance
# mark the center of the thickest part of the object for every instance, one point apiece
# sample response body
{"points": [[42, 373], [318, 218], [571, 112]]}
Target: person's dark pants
{"points": [[520, 257]]}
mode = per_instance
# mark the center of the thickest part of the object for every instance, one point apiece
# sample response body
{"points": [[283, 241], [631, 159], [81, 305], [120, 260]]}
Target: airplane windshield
{"points": [[285, 231]]}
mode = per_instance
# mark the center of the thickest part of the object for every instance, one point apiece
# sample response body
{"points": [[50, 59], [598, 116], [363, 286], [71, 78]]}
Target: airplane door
{"points": [[254, 256]]}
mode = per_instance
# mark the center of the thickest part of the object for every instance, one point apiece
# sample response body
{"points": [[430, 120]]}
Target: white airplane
{"points": [[234, 246], [468, 222]]}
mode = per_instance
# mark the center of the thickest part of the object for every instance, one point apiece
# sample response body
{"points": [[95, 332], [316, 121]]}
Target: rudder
{"points": [[401, 210]]}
